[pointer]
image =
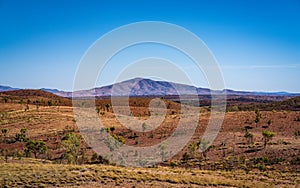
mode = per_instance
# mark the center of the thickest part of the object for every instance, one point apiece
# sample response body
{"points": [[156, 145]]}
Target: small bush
{"points": [[295, 161], [297, 133]]}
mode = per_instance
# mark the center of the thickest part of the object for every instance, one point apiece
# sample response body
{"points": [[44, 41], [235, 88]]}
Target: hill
{"points": [[292, 104], [31, 96]]}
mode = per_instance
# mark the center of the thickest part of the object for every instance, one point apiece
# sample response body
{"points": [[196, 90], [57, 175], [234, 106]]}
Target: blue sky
{"points": [[256, 43]]}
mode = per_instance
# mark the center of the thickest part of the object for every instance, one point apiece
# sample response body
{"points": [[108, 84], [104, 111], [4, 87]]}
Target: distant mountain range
{"points": [[7, 88], [148, 87]]}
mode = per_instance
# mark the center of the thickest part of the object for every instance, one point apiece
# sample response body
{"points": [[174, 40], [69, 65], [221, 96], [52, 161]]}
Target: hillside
{"points": [[31, 96], [287, 104]]}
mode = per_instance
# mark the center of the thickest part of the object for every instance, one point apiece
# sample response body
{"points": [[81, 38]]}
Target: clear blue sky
{"points": [[256, 43]]}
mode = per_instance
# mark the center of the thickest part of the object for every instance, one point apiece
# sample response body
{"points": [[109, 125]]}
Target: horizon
{"points": [[256, 44], [41, 88]]}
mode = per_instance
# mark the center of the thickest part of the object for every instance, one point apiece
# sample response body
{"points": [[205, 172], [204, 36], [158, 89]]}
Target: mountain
{"points": [[7, 88], [50, 90], [140, 87], [148, 87]]}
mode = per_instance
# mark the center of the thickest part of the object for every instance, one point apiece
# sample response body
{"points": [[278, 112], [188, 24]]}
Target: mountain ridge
{"points": [[149, 87]]}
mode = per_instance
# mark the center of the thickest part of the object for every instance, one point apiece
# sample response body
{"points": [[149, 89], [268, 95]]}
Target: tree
{"points": [[112, 129], [21, 137], [192, 147], [258, 116], [163, 152], [35, 147], [203, 146], [144, 127], [107, 107], [4, 132], [71, 143], [249, 137], [296, 133], [98, 109], [267, 136], [50, 103], [269, 122], [5, 99]]}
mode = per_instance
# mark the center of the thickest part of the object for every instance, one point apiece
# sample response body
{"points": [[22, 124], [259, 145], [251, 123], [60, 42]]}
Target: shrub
{"points": [[295, 161], [258, 116], [35, 147], [297, 133], [267, 136], [249, 137], [72, 144], [21, 137]]}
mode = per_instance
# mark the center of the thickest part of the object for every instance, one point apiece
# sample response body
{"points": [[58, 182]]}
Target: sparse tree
{"points": [[26, 107], [71, 143], [163, 152], [144, 127], [107, 106], [270, 122], [297, 134], [204, 147], [5, 99], [35, 147], [50, 103], [112, 129], [249, 137], [267, 136], [21, 137], [98, 109], [258, 117], [4, 132], [23, 131], [192, 147]]}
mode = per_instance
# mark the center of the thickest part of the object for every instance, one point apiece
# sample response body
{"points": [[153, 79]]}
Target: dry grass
{"points": [[31, 173]]}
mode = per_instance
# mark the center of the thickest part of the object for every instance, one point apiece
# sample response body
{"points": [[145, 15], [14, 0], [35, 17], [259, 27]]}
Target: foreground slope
{"points": [[33, 173]]}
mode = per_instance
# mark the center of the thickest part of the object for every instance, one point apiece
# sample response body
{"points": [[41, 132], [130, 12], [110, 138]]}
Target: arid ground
{"points": [[240, 156]]}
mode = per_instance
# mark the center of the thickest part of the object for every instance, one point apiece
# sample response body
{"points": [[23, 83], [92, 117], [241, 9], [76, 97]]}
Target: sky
{"points": [[256, 43]]}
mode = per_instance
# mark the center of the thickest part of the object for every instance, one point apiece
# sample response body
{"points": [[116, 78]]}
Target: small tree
{"points": [[249, 137], [4, 132], [112, 129], [98, 109], [21, 137], [107, 107], [72, 144], [258, 116], [50, 103], [163, 152], [35, 147], [144, 127], [203, 146], [297, 134], [267, 136], [269, 122], [192, 147]]}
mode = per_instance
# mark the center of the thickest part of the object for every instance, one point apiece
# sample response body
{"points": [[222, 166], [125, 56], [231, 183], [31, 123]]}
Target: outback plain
{"points": [[258, 144]]}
